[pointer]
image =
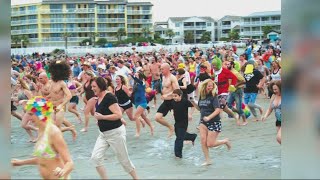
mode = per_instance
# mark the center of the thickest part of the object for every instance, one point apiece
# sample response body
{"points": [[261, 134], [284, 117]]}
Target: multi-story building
{"points": [[161, 28], [227, 24], [47, 22], [183, 25], [251, 25]]}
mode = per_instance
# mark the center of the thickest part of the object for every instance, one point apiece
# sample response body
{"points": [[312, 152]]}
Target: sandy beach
{"points": [[255, 152]]}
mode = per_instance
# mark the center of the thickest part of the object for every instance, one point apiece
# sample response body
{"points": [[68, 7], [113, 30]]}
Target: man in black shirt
{"points": [[180, 112], [254, 81]]}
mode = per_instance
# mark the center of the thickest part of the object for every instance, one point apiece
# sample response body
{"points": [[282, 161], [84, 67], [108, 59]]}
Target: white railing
{"points": [[26, 12], [130, 12], [136, 21], [131, 30], [66, 20], [24, 31], [84, 50], [107, 11], [21, 22], [111, 20], [272, 22], [194, 27], [250, 33], [77, 29], [70, 39], [226, 26], [108, 29], [56, 11]]}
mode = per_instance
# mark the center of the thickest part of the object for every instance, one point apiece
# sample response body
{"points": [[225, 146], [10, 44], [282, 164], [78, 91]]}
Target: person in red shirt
{"points": [[226, 82]]}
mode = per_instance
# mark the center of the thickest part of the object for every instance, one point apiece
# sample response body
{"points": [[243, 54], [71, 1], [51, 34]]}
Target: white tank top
{"points": [[276, 76]]}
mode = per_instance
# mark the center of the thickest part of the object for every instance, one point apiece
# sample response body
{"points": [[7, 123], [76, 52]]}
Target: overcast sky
{"points": [[162, 9]]}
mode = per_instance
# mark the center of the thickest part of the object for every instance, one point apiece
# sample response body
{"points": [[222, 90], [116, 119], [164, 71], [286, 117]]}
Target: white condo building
{"points": [[251, 25], [227, 24], [182, 25]]}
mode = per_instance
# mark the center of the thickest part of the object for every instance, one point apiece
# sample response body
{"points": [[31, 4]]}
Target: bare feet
{"points": [[80, 120], [74, 133], [238, 122], [207, 163], [84, 130], [137, 135], [244, 123], [171, 130], [255, 120], [228, 144]]}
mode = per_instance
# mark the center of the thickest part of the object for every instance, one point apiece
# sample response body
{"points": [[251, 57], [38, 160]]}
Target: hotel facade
{"points": [[47, 22]]}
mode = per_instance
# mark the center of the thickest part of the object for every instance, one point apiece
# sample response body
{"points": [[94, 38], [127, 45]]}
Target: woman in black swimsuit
{"points": [[123, 95], [89, 98]]}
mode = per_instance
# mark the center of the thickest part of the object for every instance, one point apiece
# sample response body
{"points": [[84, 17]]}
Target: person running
{"points": [[210, 126], [180, 107], [156, 79], [169, 83], [74, 87], [123, 95], [59, 94], [112, 131], [89, 98], [140, 101], [254, 81], [51, 152], [275, 104]]}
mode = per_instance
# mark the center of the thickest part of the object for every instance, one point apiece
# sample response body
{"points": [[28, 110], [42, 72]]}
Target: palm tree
{"points": [[121, 32], [170, 34], [16, 40], [146, 31], [65, 36], [93, 35], [25, 40], [188, 36]]}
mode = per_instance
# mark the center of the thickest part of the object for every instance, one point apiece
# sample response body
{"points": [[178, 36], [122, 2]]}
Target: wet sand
{"points": [[255, 152]]}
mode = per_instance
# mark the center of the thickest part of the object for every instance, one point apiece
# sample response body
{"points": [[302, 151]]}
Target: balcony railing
{"points": [[24, 31], [108, 29], [61, 39], [110, 11], [57, 11], [67, 20], [62, 30], [139, 21], [194, 27], [226, 26], [250, 33], [272, 22], [33, 40], [132, 12], [111, 20], [134, 30], [26, 12], [23, 22]]}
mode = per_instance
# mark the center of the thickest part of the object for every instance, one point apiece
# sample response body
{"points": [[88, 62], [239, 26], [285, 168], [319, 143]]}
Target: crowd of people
{"points": [[213, 81]]}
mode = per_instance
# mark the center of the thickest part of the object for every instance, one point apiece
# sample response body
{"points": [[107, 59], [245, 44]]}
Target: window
{"points": [[55, 6], [54, 26], [85, 6], [32, 8], [200, 23], [121, 25], [208, 24], [145, 17], [58, 16], [32, 17], [22, 8], [71, 6], [177, 24], [33, 26], [56, 35], [91, 6], [33, 35], [177, 33], [102, 25], [71, 25], [145, 7], [102, 16], [71, 15], [121, 7], [22, 18]]}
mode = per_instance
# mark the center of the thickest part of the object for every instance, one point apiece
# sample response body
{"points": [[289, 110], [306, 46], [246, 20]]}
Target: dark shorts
{"points": [[126, 106], [223, 99], [165, 107], [74, 99], [278, 123], [213, 125], [13, 107], [156, 85]]}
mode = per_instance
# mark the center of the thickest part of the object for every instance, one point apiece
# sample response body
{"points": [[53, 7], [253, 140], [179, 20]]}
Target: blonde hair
{"points": [[24, 85], [203, 89]]}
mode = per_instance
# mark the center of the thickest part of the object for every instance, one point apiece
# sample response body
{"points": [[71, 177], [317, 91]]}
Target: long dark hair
{"points": [[59, 70], [101, 83]]}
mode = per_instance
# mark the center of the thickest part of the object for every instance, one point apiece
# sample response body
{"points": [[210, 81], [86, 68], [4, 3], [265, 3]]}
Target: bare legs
{"points": [[209, 139], [88, 109], [279, 135], [73, 109], [162, 121], [140, 112], [25, 124], [59, 120]]}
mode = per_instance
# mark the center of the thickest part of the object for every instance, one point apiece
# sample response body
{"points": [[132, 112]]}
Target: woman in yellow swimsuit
{"points": [[51, 152]]}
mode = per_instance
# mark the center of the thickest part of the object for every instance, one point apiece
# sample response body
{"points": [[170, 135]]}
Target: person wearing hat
{"points": [[86, 66]]}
